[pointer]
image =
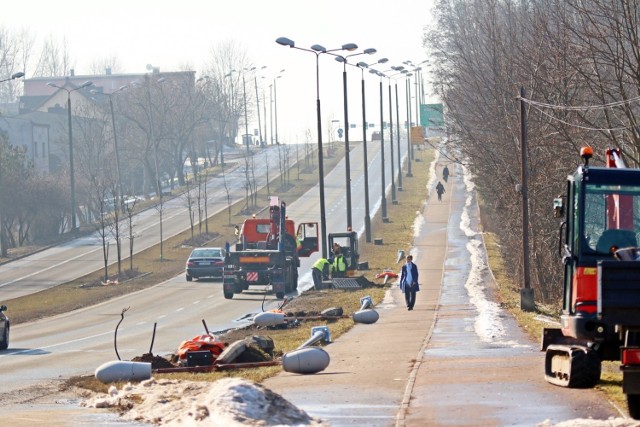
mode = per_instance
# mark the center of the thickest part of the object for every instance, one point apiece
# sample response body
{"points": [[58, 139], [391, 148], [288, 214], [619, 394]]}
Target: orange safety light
{"points": [[586, 153]]}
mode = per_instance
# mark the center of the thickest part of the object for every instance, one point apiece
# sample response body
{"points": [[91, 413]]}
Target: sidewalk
{"points": [[373, 367]]}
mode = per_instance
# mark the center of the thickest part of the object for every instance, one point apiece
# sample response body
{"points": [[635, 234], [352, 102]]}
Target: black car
{"points": [[205, 262], [4, 327]]}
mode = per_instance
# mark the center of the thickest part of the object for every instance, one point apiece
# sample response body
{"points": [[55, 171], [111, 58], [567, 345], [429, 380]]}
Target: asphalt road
{"points": [[78, 342]]}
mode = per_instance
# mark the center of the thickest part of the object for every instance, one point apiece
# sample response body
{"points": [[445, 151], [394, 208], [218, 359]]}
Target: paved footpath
{"points": [[456, 359]]}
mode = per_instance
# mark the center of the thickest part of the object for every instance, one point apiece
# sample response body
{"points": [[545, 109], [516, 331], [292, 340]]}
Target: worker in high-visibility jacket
{"points": [[320, 270], [338, 265]]}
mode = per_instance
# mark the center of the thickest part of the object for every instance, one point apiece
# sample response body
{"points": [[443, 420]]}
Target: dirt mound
{"points": [[157, 362]]}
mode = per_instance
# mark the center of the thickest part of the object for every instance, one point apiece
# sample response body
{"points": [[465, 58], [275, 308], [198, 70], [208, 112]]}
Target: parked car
{"points": [[4, 327], [205, 262]]}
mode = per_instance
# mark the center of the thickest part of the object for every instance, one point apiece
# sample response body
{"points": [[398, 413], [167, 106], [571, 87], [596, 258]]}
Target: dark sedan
{"points": [[205, 262], [4, 328]]}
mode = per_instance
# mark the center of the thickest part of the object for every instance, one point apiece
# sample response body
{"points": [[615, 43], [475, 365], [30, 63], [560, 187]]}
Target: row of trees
{"points": [[159, 122], [579, 63]]}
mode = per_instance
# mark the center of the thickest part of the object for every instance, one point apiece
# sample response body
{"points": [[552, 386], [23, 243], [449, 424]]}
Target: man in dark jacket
{"points": [[409, 282], [439, 190]]}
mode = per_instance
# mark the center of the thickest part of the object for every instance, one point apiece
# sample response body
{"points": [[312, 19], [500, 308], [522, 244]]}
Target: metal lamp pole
{"points": [[317, 50], [367, 215], [393, 174], [74, 227], [347, 161], [408, 96], [383, 202], [120, 200], [275, 104]]}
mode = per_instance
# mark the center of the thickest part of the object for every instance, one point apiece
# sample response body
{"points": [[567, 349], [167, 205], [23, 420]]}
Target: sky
{"points": [[172, 35]]}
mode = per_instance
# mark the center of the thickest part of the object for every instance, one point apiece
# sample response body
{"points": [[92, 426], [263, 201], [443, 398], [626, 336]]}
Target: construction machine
{"points": [[600, 317], [268, 252], [347, 243]]}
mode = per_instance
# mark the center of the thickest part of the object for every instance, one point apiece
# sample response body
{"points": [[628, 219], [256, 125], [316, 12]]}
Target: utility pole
{"points": [[526, 293]]}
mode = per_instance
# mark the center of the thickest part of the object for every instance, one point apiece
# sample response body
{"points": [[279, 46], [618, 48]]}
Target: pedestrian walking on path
{"points": [[409, 282], [445, 173], [439, 190]]}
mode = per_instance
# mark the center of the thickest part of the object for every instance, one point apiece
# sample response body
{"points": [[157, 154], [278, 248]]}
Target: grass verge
{"points": [[395, 234]]}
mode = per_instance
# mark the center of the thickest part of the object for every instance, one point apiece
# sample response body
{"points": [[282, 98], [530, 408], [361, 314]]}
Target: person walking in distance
{"points": [[409, 282], [439, 190], [445, 173]]}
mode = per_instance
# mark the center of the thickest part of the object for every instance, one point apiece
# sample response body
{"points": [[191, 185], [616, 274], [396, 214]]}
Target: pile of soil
{"points": [[157, 362]]}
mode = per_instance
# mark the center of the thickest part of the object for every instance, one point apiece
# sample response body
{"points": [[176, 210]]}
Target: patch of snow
{"points": [[228, 402]]}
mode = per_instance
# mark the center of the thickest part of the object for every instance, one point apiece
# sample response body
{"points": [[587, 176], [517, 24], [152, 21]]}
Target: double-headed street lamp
{"points": [[317, 49], [367, 216], [383, 200], [244, 95], [409, 146], [120, 201], [71, 170], [347, 162]]}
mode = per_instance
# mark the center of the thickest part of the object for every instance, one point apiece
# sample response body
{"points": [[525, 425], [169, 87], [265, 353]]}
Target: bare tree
{"points": [[54, 58]]}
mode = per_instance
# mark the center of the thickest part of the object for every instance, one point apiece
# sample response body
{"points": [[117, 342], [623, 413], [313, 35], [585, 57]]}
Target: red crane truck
{"points": [[268, 253]]}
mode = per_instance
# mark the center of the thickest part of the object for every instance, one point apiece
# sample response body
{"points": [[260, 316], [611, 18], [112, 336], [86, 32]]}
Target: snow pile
{"points": [[226, 402]]}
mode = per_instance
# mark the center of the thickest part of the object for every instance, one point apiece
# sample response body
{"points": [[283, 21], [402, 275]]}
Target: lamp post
{"points": [[275, 104], [71, 170], [400, 70], [230, 114], [393, 173], [255, 81], [120, 201], [367, 216], [317, 50], [408, 96], [244, 95], [347, 162], [383, 201]]}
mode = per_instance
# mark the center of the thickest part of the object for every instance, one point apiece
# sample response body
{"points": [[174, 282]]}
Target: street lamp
{"points": [[255, 82], [275, 104], [408, 100], [367, 216], [244, 94], [13, 76], [347, 162], [383, 202], [120, 201], [317, 50], [400, 71], [71, 170]]}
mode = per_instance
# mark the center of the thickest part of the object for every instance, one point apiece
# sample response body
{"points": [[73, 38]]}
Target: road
{"points": [[83, 255], [77, 342]]}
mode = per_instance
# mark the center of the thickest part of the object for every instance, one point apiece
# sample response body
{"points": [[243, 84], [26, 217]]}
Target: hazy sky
{"points": [[173, 34]]}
